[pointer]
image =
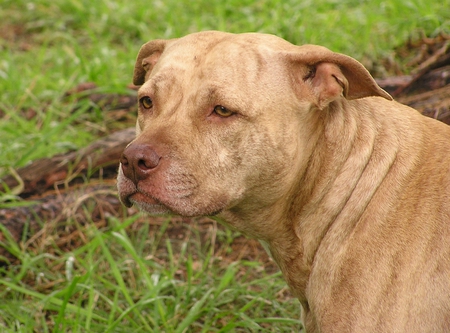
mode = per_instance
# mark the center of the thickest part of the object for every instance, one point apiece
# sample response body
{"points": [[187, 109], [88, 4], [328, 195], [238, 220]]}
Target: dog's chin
{"points": [[149, 204], [151, 208], [179, 207]]}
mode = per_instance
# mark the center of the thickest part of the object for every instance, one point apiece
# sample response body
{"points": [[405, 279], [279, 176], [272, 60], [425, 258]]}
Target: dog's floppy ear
{"points": [[147, 57], [333, 74]]}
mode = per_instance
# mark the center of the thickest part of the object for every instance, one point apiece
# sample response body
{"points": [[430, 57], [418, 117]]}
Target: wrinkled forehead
{"points": [[225, 56]]}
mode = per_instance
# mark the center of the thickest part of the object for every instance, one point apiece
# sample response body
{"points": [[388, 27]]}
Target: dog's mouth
{"points": [[145, 202], [156, 196], [153, 205], [175, 195]]}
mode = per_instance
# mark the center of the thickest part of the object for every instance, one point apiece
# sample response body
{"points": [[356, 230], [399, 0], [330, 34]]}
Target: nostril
{"points": [[147, 164], [147, 159]]}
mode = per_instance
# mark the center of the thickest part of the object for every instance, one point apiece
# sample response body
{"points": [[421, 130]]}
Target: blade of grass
{"points": [[119, 279], [227, 277], [123, 240], [9, 244], [194, 312], [68, 292], [49, 298]]}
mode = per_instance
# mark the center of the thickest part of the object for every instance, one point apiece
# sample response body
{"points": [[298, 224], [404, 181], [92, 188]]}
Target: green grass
{"points": [[126, 279], [114, 283]]}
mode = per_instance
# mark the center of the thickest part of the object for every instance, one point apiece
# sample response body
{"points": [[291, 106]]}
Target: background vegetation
{"points": [[125, 277]]}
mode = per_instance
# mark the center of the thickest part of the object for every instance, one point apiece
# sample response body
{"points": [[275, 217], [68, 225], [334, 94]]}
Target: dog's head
{"points": [[224, 120]]}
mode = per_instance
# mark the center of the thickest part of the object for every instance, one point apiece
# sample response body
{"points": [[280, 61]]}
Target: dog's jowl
{"points": [[300, 148]]}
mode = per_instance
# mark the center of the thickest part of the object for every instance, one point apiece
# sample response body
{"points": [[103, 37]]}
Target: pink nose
{"points": [[138, 161]]}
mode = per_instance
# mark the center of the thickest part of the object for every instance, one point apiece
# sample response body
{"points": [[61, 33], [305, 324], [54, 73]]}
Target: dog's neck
{"points": [[344, 171], [348, 161]]}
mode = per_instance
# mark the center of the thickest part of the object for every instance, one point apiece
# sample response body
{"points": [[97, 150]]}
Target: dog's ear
{"points": [[147, 57], [333, 74]]}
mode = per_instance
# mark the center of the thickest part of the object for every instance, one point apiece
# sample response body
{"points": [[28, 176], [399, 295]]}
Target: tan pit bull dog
{"points": [[300, 148]]}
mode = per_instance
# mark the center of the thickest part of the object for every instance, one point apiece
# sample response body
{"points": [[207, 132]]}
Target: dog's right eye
{"points": [[146, 102], [222, 111]]}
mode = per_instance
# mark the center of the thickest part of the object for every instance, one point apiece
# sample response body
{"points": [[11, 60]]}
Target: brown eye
{"points": [[222, 111], [146, 102]]}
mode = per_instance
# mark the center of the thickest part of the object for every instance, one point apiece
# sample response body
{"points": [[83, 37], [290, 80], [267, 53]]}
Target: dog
{"points": [[299, 147]]}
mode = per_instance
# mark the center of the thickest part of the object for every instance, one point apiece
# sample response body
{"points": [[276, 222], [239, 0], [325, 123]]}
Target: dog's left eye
{"points": [[222, 111], [146, 102]]}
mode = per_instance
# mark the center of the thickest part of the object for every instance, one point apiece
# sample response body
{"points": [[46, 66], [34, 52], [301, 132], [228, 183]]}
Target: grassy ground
{"points": [[125, 276]]}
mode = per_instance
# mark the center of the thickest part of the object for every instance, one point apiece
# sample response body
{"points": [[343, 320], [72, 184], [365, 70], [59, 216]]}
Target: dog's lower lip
{"points": [[142, 197]]}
